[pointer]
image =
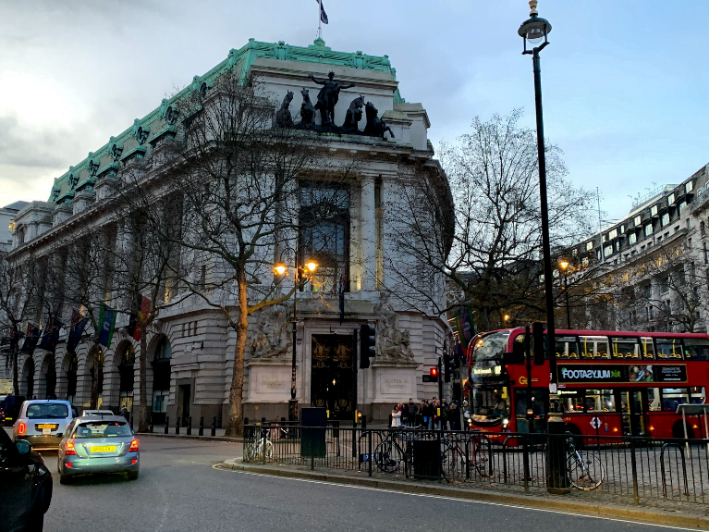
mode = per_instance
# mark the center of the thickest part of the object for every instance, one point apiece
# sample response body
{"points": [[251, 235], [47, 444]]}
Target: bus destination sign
{"points": [[622, 373]]}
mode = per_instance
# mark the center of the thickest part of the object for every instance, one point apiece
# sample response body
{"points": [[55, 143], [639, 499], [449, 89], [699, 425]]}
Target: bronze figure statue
{"points": [[307, 111], [283, 116], [353, 116], [376, 127], [328, 96]]}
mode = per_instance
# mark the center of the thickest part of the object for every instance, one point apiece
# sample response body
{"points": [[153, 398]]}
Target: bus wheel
{"points": [[678, 430], [575, 434]]}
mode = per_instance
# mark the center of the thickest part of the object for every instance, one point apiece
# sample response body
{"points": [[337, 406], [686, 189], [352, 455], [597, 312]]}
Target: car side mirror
{"points": [[23, 447]]}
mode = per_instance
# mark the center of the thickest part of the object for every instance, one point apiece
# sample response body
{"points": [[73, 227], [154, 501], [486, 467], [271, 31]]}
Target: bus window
{"points": [[697, 395], [653, 399], [673, 397], [572, 401], [668, 348], [594, 347], [566, 347], [624, 348], [600, 401], [648, 350], [696, 349]]}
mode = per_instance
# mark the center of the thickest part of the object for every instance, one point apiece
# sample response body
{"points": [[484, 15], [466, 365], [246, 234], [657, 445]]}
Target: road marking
{"points": [[457, 499]]}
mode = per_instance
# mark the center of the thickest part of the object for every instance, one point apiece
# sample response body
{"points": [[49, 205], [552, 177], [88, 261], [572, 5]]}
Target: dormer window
{"points": [[688, 187], [653, 210]]}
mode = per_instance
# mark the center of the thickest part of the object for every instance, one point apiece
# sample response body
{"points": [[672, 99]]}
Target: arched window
{"points": [[161, 379], [125, 368]]}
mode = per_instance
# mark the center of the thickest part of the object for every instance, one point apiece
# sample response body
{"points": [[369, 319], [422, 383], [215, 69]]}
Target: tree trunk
{"points": [[235, 426], [143, 385], [14, 349], [94, 377]]}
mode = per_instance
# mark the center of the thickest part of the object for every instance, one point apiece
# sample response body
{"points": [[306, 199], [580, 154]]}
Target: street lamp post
{"points": [[564, 265], [534, 31], [302, 274]]}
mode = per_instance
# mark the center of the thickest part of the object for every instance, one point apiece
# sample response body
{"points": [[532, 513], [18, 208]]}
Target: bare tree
{"points": [[241, 179], [20, 301], [489, 251]]}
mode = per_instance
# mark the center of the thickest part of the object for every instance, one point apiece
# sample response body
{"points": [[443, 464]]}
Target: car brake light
{"points": [[133, 447], [69, 448], [21, 429]]}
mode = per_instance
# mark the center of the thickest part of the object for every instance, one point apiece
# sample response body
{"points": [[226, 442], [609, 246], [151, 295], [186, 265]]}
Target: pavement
{"points": [[184, 486]]}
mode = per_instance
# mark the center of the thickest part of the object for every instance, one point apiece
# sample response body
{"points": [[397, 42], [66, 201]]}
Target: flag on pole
{"points": [[50, 338], [31, 338], [142, 309], [76, 330], [323, 15], [107, 322], [341, 295], [465, 324]]}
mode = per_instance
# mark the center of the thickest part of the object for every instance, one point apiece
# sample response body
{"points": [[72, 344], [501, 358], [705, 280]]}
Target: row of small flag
{"points": [[48, 339]]}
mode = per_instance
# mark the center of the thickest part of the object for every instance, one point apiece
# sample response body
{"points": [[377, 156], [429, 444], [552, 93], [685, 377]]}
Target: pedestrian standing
{"points": [[395, 418]]}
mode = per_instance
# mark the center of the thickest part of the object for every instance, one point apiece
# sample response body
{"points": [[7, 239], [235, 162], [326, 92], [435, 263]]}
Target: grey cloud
{"points": [[33, 148]]}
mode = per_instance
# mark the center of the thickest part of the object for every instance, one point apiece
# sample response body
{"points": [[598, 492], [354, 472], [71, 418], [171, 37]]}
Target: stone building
{"points": [[190, 346], [650, 270]]}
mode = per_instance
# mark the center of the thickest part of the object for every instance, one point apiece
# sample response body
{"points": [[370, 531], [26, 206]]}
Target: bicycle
{"points": [[583, 468], [260, 448], [478, 451], [388, 455]]}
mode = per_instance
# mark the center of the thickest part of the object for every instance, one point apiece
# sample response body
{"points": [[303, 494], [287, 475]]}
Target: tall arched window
{"points": [[161, 379], [125, 368]]}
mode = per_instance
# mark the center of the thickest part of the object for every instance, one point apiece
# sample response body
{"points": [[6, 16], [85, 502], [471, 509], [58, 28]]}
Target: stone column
{"points": [[368, 240]]}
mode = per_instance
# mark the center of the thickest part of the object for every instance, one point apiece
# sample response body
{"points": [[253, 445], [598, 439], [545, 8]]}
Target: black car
{"points": [[10, 409], [25, 487]]}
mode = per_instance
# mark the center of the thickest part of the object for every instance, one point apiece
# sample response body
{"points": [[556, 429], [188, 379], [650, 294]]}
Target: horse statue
{"points": [[376, 127], [283, 116], [354, 115], [307, 110]]}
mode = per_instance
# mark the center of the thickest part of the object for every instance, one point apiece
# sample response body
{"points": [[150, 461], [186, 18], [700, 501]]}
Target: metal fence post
{"points": [[525, 460], [369, 445], [636, 495]]}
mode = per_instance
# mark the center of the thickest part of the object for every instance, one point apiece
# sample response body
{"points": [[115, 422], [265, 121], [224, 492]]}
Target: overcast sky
{"points": [[625, 82]]}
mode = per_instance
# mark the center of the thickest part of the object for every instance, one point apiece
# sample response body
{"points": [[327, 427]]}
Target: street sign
{"points": [[595, 422]]}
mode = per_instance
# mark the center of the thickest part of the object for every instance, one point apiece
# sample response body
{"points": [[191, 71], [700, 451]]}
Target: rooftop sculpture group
{"points": [[327, 100]]}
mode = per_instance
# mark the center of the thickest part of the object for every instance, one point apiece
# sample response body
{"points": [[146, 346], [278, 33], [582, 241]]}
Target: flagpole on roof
{"points": [[319, 19]]}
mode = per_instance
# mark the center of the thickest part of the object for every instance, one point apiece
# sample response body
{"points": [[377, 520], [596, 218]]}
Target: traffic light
{"points": [[448, 367], [433, 375], [538, 343], [367, 341]]}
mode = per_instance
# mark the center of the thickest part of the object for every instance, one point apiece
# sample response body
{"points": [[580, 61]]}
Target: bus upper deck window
{"points": [[696, 349], [668, 348], [647, 348]]}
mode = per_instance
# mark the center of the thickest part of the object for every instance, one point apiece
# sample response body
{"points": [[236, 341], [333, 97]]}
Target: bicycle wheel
{"points": [[481, 457], [388, 456], [585, 470]]}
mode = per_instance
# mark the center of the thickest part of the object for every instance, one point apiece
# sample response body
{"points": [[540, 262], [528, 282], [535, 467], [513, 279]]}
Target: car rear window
{"points": [[47, 411], [103, 429]]}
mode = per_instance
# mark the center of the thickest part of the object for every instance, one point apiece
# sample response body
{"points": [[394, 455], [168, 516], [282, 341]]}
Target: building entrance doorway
{"points": [[331, 379], [183, 403]]}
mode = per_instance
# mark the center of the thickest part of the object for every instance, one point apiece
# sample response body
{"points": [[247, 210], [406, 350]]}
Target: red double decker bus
{"points": [[609, 383]]}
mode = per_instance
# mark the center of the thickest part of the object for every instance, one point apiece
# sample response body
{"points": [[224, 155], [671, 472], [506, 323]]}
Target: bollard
{"points": [[167, 423], [177, 424], [151, 426], [557, 481], [364, 422], [214, 426], [201, 425], [189, 426]]}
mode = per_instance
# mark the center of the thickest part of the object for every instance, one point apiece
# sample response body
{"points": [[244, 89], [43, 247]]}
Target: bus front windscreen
{"points": [[486, 367]]}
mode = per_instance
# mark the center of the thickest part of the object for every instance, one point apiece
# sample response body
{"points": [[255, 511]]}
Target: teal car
{"points": [[97, 443]]}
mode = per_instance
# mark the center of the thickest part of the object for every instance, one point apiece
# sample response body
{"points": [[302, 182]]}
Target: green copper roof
{"points": [[161, 121]]}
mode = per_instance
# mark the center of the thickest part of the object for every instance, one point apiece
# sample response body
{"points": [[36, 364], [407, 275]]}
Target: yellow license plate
{"points": [[103, 449], [46, 426]]}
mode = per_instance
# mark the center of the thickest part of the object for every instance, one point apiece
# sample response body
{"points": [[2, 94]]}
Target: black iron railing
{"points": [[631, 467]]}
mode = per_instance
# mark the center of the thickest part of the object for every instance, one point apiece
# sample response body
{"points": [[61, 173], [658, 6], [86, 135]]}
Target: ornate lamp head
{"points": [[534, 30]]}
